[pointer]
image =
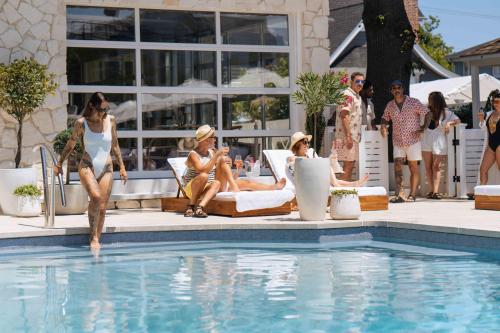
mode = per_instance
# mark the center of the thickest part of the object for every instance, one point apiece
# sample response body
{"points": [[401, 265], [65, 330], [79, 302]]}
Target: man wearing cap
{"points": [[348, 125], [405, 113]]}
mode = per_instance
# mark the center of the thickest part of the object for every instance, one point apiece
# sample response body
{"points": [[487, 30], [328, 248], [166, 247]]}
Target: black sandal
{"points": [[189, 211], [411, 198], [437, 196], [397, 199], [199, 212], [430, 195]]}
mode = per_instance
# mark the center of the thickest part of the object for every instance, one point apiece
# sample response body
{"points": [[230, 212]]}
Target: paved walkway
{"points": [[454, 216]]}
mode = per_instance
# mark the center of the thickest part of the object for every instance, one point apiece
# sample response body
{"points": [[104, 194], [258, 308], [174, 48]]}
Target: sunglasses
{"points": [[359, 82], [396, 88], [305, 141], [106, 109]]}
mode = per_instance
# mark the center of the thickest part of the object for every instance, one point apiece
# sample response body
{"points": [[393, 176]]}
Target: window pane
{"points": [[122, 106], [175, 68], [128, 147], [253, 69], [177, 26], [251, 29], [251, 148], [156, 151], [92, 66], [256, 112], [99, 23], [178, 111]]}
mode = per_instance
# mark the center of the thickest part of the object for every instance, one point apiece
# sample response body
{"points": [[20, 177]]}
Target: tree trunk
{"points": [[19, 143], [390, 40]]}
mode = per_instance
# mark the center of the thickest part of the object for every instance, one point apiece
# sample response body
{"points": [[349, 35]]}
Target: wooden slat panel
{"points": [[487, 202]]}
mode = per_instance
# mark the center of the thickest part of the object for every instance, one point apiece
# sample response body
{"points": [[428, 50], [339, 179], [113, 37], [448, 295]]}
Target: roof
{"points": [[417, 50], [488, 48]]}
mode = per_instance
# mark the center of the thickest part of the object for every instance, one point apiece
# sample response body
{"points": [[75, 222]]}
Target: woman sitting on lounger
{"points": [[300, 147], [209, 172]]}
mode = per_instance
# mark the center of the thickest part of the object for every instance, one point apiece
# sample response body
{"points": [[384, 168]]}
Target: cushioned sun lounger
{"points": [[370, 198], [244, 203], [487, 197]]}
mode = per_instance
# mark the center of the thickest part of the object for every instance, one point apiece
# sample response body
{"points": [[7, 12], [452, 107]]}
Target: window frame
{"points": [[138, 89]]}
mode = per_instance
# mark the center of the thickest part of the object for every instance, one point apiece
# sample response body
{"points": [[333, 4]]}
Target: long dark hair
{"points": [[437, 105], [94, 102], [366, 86]]}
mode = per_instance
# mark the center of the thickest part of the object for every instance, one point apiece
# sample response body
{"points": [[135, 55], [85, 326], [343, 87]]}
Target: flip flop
{"points": [[397, 199]]}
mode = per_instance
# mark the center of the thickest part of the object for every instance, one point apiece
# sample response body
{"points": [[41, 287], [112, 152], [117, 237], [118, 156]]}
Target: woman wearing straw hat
{"points": [[300, 147], [209, 172]]}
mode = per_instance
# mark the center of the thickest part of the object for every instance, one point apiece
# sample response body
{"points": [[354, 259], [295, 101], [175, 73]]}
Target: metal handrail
{"points": [[49, 211]]}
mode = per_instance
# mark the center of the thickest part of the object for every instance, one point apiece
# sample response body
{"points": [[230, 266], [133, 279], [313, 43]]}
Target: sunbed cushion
{"points": [[247, 200], [491, 190]]}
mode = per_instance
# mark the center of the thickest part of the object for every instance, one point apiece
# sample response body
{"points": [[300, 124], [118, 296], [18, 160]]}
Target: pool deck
{"points": [[450, 216]]}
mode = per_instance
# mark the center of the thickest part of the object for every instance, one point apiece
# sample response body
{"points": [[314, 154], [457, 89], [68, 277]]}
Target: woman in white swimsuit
{"points": [[97, 131]]}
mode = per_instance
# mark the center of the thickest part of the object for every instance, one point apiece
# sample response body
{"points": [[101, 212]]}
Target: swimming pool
{"points": [[210, 286]]}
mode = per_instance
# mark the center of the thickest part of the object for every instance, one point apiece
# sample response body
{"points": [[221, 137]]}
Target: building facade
{"points": [[168, 66]]}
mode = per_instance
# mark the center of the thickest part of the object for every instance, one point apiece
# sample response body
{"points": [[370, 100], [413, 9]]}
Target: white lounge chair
{"points": [[239, 204], [487, 197], [370, 198]]}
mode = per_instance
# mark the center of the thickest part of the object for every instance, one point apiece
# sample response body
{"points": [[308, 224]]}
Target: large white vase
{"points": [[77, 200], [345, 207], [10, 179], [312, 184]]}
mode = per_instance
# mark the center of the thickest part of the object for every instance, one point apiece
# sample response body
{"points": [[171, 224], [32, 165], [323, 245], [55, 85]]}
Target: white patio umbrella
{"points": [[456, 90]]}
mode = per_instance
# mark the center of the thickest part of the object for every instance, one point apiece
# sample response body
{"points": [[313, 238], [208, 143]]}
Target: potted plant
{"points": [[24, 85], [76, 195], [28, 200], [345, 204]]}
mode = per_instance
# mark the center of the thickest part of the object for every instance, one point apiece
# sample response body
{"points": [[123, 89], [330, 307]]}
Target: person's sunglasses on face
{"points": [[359, 82]]}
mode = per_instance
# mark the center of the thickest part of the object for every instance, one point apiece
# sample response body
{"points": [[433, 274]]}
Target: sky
{"points": [[464, 23]]}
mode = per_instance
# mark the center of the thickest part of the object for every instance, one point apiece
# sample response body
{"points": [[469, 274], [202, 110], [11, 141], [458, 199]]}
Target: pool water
{"points": [[221, 287]]}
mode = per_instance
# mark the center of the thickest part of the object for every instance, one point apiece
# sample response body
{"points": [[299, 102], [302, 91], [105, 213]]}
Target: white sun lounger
{"points": [[244, 203], [370, 198], [487, 197]]}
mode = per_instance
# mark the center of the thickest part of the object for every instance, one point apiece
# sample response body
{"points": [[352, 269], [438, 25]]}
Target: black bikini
{"points": [[493, 138]]}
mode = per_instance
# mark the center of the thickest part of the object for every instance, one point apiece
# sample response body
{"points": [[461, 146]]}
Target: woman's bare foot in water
{"points": [[279, 185], [94, 243]]}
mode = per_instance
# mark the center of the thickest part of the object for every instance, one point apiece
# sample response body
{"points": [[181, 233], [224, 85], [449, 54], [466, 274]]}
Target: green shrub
{"points": [[344, 192], [29, 190]]}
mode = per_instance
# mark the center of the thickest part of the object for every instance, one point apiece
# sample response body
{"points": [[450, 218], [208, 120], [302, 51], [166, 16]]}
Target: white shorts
{"points": [[435, 141], [411, 153]]}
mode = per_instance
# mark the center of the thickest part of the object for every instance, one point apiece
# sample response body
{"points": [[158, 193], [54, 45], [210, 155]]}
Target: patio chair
{"points": [[370, 198], [487, 197], [239, 204]]}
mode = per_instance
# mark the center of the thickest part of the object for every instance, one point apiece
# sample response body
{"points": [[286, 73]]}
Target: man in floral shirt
{"points": [[404, 112], [348, 126]]}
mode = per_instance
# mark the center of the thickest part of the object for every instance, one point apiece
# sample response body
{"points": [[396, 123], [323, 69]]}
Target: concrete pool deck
{"points": [[449, 216]]}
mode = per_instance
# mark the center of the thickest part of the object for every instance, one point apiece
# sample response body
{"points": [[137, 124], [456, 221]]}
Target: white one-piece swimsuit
{"points": [[98, 146]]}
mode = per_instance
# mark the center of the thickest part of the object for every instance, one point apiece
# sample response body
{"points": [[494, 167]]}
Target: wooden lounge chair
{"points": [[370, 198], [487, 197], [244, 203]]}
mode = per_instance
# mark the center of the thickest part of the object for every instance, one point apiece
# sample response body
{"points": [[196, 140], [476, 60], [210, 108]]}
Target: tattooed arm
{"points": [[70, 145], [115, 147]]}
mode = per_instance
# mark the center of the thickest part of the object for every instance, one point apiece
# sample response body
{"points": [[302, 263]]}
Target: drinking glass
{"points": [[238, 161]]}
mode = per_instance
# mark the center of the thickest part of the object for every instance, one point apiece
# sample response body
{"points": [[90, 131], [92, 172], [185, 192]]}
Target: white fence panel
{"points": [[373, 158]]}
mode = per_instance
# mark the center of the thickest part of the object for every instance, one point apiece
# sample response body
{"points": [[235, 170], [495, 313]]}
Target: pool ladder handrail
{"points": [[50, 204]]}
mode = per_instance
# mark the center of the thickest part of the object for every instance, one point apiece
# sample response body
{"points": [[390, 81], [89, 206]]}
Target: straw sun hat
{"points": [[297, 136], [204, 132]]}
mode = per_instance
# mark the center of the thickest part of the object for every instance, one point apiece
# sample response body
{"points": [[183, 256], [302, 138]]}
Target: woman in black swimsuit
{"points": [[492, 152]]}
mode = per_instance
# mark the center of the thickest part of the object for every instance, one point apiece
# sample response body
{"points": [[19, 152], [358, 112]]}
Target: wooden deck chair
{"points": [[240, 204], [370, 198]]}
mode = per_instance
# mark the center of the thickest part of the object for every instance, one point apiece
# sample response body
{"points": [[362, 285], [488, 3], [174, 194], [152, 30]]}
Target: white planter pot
{"points": [[28, 206], [345, 207], [77, 200], [312, 184], [10, 179]]}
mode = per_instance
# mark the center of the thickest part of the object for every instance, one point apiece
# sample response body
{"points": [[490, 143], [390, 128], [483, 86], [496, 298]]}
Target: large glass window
{"points": [[252, 147], [128, 148], [93, 66], [122, 106], [100, 23], [256, 112], [156, 151], [252, 29], [252, 69], [175, 68], [178, 111], [166, 26]]}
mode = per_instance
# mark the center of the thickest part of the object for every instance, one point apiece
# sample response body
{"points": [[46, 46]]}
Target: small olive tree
{"points": [[24, 85], [315, 92]]}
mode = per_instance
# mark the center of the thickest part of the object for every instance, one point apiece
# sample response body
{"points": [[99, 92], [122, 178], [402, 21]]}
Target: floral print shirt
{"points": [[352, 105], [405, 122]]}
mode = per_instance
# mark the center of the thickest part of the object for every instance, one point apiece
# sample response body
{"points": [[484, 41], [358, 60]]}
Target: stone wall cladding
{"points": [[34, 28]]}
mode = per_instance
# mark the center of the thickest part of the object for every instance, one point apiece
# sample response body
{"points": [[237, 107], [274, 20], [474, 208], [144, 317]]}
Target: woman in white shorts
{"points": [[434, 140]]}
